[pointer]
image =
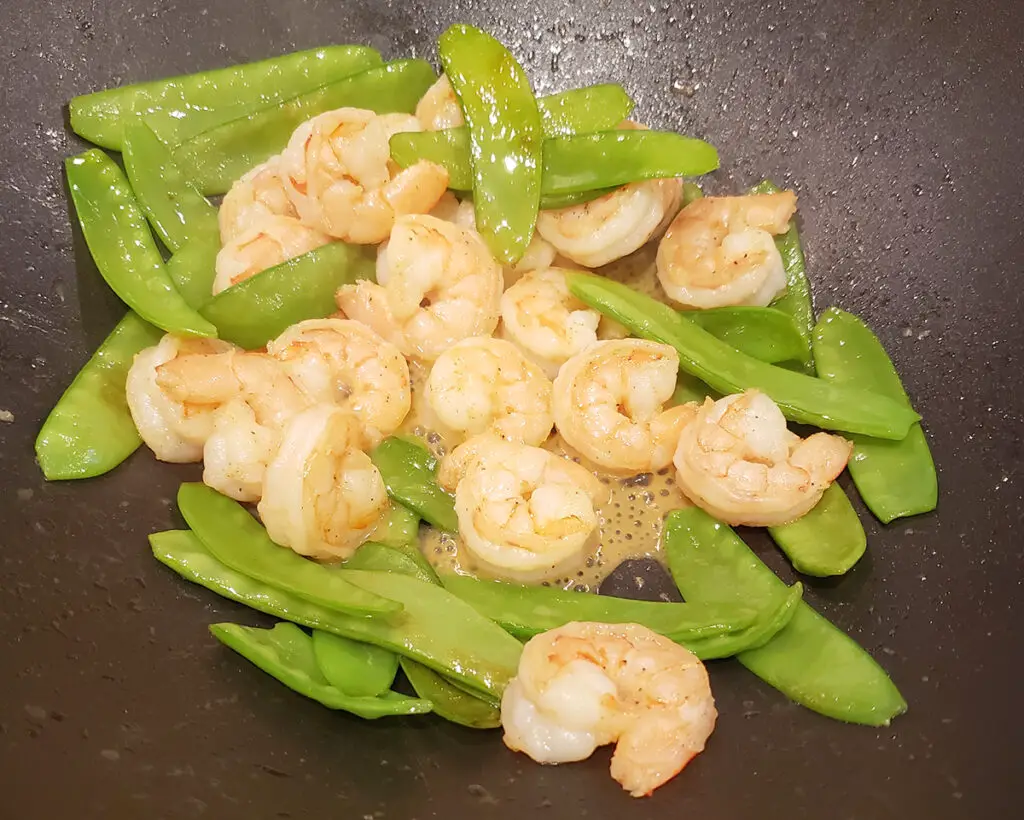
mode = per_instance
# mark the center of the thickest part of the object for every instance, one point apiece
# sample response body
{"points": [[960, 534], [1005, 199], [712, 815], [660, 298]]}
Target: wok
{"points": [[899, 125]]}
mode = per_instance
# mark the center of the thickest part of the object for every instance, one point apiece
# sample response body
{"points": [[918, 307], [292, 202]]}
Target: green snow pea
{"points": [[766, 334], [409, 471], [90, 431], [505, 137], [399, 527], [435, 628], [895, 478], [124, 250], [828, 540], [175, 209], [449, 701], [810, 660], [407, 560], [354, 667], [260, 308], [218, 157], [709, 631], [796, 301], [193, 266], [802, 398], [691, 193], [239, 541], [102, 116], [286, 652]]}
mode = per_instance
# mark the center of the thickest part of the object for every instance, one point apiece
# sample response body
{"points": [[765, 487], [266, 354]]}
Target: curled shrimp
{"points": [[439, 108], [436, 285], [338, 361], [486, 385], [609, 404], [269, 242], [719, 251], [257, 195], [175, 428], [737, 460], [338, 173], [584, 685], [322, 496], [525, 513]]}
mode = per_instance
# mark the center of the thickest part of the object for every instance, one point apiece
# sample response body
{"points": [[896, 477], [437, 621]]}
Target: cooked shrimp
{"points": [[486, 385], [719, 250], [524, 512], [584, 685], [338, 173], [437, 284], [175, 429], [439, 108], [338, 361], [259, 194], [738, 461], [322, 496], [270, 241], [609, 404]]}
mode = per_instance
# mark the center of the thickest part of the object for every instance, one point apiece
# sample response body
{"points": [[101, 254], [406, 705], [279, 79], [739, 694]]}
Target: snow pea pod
{"points": [[285, 652], [895, 478], [505, 137], [435, 628], [90, 431], [766, 334], [239, 541], [802, 398], [193, 266], [449, 701], [407, 560], [216, 158], [398, 527], [123, 247], [175, 209], [260, 308], [810, 660], [101, 117], [828, 540], [409, 471], [354, 667]]}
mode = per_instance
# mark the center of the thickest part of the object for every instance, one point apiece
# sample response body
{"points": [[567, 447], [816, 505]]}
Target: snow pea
{"points": [[766, 334], [802, 398], [260, 308], [409, 471], [123, 247], [895, 478], [100, 117], [710, 631], [90, 431], [354, 667], [192, 267], [286, 652], [810, 660], [239, 541], [217, 157], [691, 193], [175, 209], [505, 137], [399, 527], [407, 560], [449, 701], [797, 300], [435, 628], [828, 540]]}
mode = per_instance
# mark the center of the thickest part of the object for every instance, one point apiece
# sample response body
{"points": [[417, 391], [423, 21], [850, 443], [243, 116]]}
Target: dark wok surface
{"points": [[898, 123]]}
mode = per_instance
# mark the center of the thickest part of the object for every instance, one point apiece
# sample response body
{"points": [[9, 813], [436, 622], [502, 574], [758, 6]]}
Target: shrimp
{"points": [[609, 404], [175, 429], [259, 194], [322, 496], [437, 285], [338, 173], [269, 242], [584, 685], [524, 512], [338, 361], [737, 460], [719, 251], [486, 385], [439, 108]]}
